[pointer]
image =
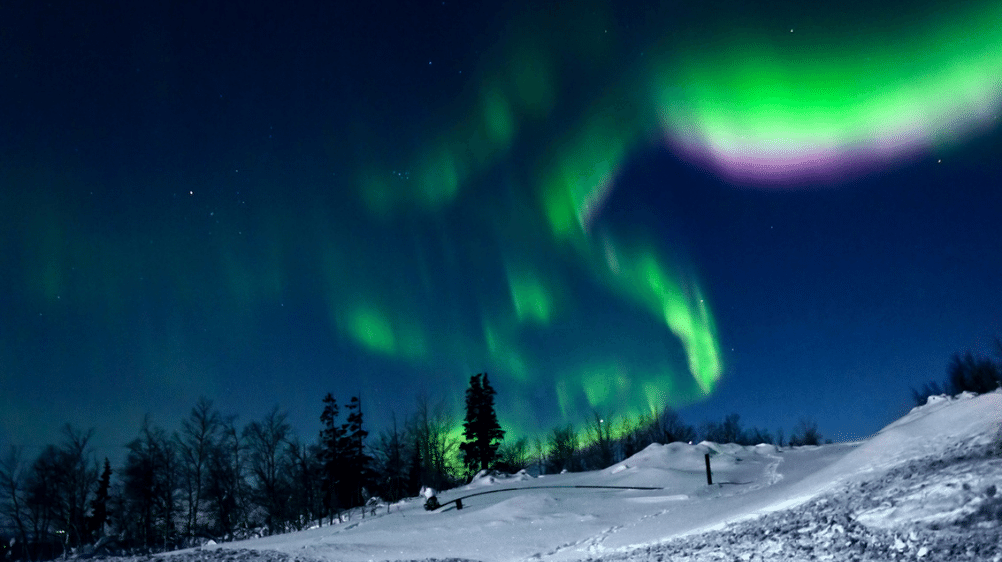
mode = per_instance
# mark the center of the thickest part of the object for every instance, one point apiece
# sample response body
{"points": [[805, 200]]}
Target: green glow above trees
{"points": [[531, 299], [372, 329]]}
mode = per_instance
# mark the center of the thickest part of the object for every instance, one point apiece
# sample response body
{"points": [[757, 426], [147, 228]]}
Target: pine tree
{"points": [[474, 396], [330, 456], [415, 468], [481, 429], [357, 473], [99, 505]]}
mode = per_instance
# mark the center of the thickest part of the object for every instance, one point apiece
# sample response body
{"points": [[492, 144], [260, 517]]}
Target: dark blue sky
{"points": [[260, 204]]}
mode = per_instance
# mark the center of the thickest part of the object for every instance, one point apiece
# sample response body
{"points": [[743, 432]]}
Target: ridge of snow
{"points": [[919, 472]]}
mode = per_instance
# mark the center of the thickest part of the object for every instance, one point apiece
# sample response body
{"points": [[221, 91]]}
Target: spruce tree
{"points": [[357, 473], [330, 456], [481, 429], [474, 396], [99, 505]]}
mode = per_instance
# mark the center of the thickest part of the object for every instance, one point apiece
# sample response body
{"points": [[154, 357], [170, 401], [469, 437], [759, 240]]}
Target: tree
{"points": [[563, 447], [600, 432], [711, 431], [975, 374], [198, 436], [225, 489], [59, 488], [150, 488], [668, 427], [756, 436], [330, 455], [304, 503], [357, 471], [265, 442], [806, 433], [391, 464], [630, 431], [921, 397], [730, 430], [513, 456], [99, 505], [539, 452], [434, 445], [481, 430], [42, 494], [12, 500], [415, 467]]}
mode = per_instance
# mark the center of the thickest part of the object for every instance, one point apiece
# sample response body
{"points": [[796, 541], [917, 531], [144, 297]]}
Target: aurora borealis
{"points": [[726, 208]]}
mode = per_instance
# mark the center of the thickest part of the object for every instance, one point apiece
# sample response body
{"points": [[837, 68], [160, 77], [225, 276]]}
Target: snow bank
{"points": [[916, 490]]}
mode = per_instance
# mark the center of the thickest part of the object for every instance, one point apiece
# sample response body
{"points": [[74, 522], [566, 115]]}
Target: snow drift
{"points": [[928, 486]]}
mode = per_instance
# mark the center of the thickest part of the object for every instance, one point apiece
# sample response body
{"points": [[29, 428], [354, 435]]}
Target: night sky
{"points": [[778, 210]]}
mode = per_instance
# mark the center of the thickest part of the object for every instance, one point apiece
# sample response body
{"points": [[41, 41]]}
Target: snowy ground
{"points": [[927, 487]]}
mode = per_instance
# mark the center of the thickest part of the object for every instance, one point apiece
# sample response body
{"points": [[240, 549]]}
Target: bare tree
{"points": [[58, 488], [975, 374], [755, 436], [225, 489], [198, 436], [599, 431], [390, 454], [668, 427], [78, 479], [42, 494], [303, 462], [563, 449], [12, 495], [432, 428], [539, 452], [265, 442], [150, 488], [514, 455], [630, 440], [806, 433], [730, 430]]}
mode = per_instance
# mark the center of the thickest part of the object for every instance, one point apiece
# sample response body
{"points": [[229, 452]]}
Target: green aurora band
{"points": [[766, 107], [499, 214], [792, 106]]}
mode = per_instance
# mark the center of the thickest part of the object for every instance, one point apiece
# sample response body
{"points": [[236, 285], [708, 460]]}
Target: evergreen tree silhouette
{"points": [[357, 474], [99, 505], [481, 429], [331, 456]]}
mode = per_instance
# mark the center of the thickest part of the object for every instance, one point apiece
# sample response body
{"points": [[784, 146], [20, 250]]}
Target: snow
{"points": [[923, 488]]}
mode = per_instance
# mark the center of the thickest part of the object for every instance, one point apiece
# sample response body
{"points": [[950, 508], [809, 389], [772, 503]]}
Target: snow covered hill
{"points": [[926, 487]]}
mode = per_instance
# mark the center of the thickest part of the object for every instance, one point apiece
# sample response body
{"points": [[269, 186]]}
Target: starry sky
{"points": [[779, 209]]}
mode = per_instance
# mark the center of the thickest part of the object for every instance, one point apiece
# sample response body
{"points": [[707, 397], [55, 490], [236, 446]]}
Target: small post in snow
{"points": [[709, 479]]}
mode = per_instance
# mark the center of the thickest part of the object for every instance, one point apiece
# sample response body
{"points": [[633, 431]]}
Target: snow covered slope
{"points": [[920, 489]]}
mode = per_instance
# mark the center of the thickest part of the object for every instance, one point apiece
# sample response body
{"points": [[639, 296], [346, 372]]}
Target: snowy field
{"points": [[927, 487]]}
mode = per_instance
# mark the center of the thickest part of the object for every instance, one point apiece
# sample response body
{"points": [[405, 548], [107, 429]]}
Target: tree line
{"points": [[602, 441], [211, 479], [966, 372]]}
